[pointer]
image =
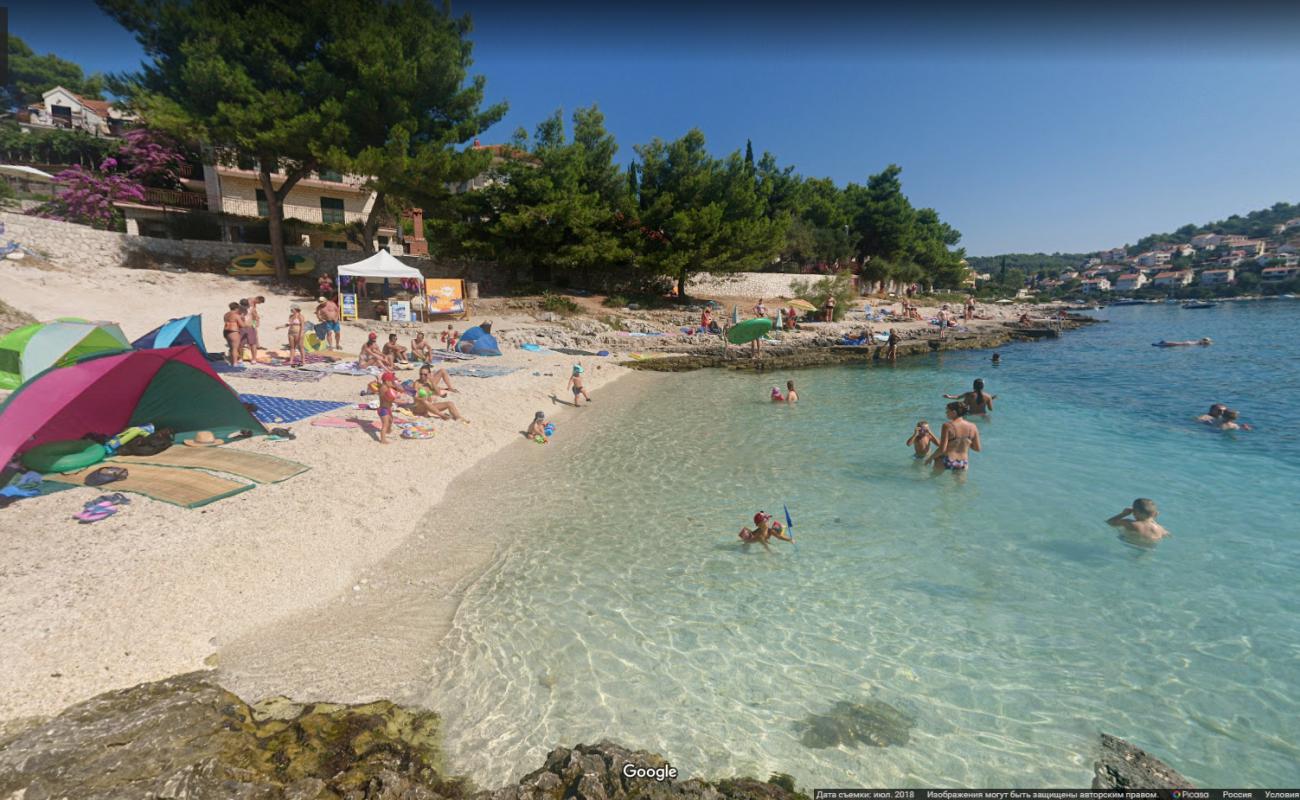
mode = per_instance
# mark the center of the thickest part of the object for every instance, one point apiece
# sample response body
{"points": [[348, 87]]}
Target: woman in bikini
{"points": [[958, 437], [428, 397], [371, 356], [233, 321], [976, 401], [295, 336]]}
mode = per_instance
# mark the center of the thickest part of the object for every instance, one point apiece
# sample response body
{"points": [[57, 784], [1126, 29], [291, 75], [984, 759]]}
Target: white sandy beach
{"points": [[157, 590]]}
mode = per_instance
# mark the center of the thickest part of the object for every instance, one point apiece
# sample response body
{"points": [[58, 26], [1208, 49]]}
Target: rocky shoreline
{"points": [[187, 737]]}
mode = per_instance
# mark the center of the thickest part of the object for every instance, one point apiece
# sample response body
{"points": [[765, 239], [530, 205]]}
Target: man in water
{"points": [[976, 401], [764, 529], [1214, 416], [1143, 528]]}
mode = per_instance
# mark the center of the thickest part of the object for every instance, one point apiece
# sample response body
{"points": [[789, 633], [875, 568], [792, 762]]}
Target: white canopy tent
{"points": [[381, 265]]}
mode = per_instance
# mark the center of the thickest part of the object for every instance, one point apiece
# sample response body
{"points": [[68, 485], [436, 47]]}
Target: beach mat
{"points": [[286, 409], [254, 466], [284, 375], [480, 372], [187, 488]]}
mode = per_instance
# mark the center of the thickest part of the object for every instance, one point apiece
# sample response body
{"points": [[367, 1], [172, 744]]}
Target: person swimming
{"points": [[976, 401], [1214, 416], [1142, 529], [1204, 341]]}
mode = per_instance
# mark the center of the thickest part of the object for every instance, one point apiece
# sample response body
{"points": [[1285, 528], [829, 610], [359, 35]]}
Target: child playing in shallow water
{"points": [[921, 439], [1143, 528], [764, 529]]}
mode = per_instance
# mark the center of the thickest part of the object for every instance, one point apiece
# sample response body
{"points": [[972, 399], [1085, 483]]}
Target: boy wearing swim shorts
{"points": [[575, 385]]}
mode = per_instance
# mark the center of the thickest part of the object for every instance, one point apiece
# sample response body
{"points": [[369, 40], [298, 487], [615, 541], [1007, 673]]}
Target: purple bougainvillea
{"points": [[87, 196]]}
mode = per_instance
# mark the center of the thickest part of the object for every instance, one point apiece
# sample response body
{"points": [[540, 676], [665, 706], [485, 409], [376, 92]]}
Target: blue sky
{"points": [[1074, 129]]}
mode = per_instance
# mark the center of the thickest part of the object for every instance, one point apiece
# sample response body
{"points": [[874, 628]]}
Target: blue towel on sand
{"points": [[286, 409], [470, 371]]}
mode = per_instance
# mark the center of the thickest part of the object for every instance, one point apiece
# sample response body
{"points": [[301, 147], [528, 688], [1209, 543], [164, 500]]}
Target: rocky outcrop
{"points": [[186, 737], [1122, 766], [601, 772]]}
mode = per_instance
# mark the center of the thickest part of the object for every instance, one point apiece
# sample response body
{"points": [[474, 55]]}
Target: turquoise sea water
{"points": [[1001, 613]]}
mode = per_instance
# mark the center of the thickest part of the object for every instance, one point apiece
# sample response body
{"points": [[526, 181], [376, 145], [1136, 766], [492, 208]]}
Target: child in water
{"points": [[921, 439], [764, 529], [791, 396], [777, 397], [1143, 528], [575, 384]]}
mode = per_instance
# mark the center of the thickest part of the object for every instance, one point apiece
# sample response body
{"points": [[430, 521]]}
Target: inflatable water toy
{"points": [[66, 456], [125, 436], [260, 262], [749, 330]]}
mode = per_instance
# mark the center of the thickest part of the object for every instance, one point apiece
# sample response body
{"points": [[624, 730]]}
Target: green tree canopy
{"points": [[31, 75], [699, 213], [304, 85]]}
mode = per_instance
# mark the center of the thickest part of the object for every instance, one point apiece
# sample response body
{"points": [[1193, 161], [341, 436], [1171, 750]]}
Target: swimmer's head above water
{"points": [[1145, 508]]}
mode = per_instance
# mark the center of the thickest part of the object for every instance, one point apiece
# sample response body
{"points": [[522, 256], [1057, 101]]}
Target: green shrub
{"points": [[614, 301], [816, 292], [559, 304]]}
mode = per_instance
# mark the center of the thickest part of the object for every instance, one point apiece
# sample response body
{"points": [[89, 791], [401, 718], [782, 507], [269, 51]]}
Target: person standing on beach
{"points": [[1143, 529], [327, 312], [247, 331], [891, 350], [829, 307], [970, 308], [295, 327], [575, 385], [232, 322], [387, 400], [976, 401], [959, 437]]}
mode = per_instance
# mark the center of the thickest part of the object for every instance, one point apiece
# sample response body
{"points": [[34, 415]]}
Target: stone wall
{"points": [[746, 284]]}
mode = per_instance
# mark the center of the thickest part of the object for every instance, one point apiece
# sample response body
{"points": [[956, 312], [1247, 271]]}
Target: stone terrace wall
{"points": [[72, 245], [746, 284]]}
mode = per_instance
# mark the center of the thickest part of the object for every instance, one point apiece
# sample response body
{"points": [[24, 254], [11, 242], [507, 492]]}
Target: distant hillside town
{"points": [[1256, 253]]}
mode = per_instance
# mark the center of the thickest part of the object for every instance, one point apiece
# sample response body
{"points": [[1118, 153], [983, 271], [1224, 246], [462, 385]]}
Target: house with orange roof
{"points": [[63, 108], [1173, 278]]}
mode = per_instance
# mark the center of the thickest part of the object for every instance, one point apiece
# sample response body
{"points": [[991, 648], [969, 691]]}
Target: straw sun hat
{"points": [[203, 439]]}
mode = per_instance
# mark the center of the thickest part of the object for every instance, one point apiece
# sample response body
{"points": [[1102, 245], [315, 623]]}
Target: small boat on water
{"points": [[1199, 304]]}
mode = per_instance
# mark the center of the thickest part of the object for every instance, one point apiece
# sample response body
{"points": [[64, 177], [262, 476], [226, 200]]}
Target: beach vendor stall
{"points": [[355, 280]]}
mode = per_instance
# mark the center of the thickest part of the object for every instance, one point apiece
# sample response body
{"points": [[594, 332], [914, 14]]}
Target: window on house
{"points": [[246, 162], [331, 209], [383, 243], [331, 175], [262, 209], [334, 244]]}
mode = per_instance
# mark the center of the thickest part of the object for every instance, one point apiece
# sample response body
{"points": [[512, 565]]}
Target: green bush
{"points": [[816, 292], [614, 301], [559, 304]]}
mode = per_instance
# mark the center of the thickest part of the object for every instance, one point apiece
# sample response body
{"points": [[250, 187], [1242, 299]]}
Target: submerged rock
{"points": [[186, 737], [1124, 766], [872, 722]]}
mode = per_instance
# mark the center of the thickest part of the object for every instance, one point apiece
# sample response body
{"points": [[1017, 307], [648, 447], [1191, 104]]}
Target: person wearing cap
{"points": [[575, 385], [327, 313], [295, 327], [764, 529], [388, 391], [372, 356]]}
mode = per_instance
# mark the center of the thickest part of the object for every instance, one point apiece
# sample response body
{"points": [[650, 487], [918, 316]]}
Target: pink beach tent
{"points": [[106, 394]]}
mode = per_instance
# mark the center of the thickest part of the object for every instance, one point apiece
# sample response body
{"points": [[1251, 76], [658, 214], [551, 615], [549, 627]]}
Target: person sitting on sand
{"points": [[1143, 528], [428, 397], [707, 323], [791, 396], [791, 319], [395, 351], [388, 392], [921, 439], [232, 322], [575, 385], [976, 401], [760, 310], [764, 529], [421, 348], [537, 427], [959, 437], [380, 307], [372, 356], [296, 326]]}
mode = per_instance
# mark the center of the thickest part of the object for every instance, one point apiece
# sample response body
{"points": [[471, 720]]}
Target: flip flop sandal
{"points": [[95, 515], [117, 499]]}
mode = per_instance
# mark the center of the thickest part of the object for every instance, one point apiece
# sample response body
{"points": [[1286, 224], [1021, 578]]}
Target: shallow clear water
{"points": [[1001, 613]]}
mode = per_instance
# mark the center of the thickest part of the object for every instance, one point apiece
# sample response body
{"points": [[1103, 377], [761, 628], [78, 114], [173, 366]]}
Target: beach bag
{"points": [[150, 445]]}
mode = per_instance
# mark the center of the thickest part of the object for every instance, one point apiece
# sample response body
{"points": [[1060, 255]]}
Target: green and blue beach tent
{"points": [[182, 330], [32, 349]]}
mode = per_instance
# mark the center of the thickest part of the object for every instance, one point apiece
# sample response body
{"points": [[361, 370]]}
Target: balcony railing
{"points": [[173, 197]]}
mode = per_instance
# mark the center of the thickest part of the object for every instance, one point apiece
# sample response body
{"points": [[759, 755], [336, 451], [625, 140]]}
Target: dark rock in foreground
{"points": [[186, 737], [1123, 766]]}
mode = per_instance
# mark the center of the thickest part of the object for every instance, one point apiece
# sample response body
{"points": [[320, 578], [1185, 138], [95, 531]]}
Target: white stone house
{"points": [[1173, 278], [1131, 282], [1204, 240], [1153, 258], [1217, 277], [63, 108], [1096, 285], [1279, 274]]}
